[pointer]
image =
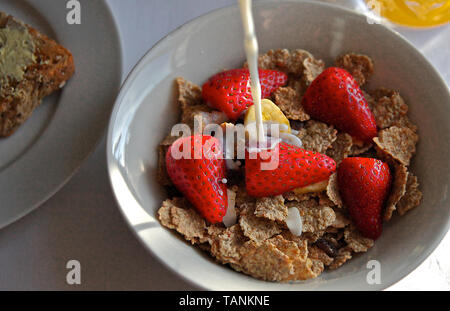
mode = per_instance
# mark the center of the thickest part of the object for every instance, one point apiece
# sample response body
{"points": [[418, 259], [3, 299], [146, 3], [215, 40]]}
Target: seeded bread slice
{"points": [[25, 80]]}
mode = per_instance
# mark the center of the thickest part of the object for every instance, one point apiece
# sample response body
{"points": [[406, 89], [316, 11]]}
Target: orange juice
{"points": [[416, 13]]}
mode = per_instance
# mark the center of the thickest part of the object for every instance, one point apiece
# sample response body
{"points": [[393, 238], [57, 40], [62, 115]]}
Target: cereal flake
{"points": [[292, 196], [317, 136], [272, 208], [227, 244], [355, 241], [312, 69], [189, 94], [344, 254], [242, 197], [359, 148], [257, 228], [398, 143], [389, 110], [341, 220], [301, 243], [324, 199], [315, 252], [304, 267], [397, 190], [199, 116], [341, 147], [333, 190], [297, 62], [289, 101], [358, 65], [192, 106], [263, 260], [412, 196], [185, 220], [290, 248], [163, 177], [316, 218]]}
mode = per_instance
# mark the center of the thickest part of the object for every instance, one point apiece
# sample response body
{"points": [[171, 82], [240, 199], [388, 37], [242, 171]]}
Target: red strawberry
{"points": [[296, 168], [334, 97], [364, 184], [230, 92], [196, 167]]}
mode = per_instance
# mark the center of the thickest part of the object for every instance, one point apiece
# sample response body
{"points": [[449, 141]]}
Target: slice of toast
{"points": [[32, 66]]}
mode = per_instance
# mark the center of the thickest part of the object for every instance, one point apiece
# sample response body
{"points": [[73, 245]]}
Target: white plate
{"points": [[145, 111], [47, 149]]}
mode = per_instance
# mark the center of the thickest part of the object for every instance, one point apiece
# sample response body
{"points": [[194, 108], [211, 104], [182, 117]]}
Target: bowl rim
{"points": [[111, 161]]}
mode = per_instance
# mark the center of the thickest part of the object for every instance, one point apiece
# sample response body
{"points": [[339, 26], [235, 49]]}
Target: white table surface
{"points": [[82, 221]]}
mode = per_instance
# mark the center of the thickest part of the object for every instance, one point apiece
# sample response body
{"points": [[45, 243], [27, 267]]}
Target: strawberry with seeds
{"points": [[334, 97], [196, 167], [230, 92], [296, 168], [364, 185]]}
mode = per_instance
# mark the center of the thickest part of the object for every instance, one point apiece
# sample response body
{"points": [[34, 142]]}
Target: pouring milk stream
{"points": [[260, 128], [251, 51], [294, 220]]}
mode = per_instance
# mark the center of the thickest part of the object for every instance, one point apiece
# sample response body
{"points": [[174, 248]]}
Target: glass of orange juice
{"points": [[412, 13]]}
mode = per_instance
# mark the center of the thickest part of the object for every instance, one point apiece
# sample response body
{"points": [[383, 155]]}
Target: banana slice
{"points": [[270, 113], [317, 187]]}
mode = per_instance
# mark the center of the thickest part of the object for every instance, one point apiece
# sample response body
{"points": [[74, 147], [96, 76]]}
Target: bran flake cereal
{"points": [[398, 143], [163, 178], [185, 220], [272, 208], [344, 254], [203, 115], [292, 196], [355, 241], [400, 178], [257, 228], [260, 244], [341, 147], [324, 199], [263, 260], [299, 63], [358, 65], [315, 252], [389, 111], [412, 196], [317, 136], [333, 191], [189, 94], [360, 148], [341, 220], [316, 218], [226, 246], [289, 101]]}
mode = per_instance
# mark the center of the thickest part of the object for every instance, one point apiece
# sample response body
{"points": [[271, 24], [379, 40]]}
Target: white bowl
{"points": [[145, 111]]}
